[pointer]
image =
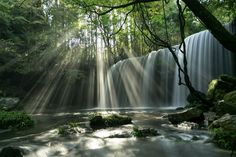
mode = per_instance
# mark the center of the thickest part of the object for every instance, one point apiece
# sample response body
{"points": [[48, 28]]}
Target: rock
{"points": [[97, 122], [8, 103], [195, 138], [190, 115], [230, 98], [11, 152], [228, 78], [223, 131], [209, 117], [121, 135], [227, 105], [188, 125], [226, 122], [219, 87]]}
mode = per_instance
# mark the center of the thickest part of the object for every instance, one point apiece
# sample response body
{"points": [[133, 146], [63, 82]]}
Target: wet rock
{"points": [[121, 135], [11, 152], [144, 132], [190, 115], [226, 122], [219, 87], [209, 117], [188, 126], [8, 103], [223, 132], [227, 105], [228, 78], [97, 122], [195, 138]]}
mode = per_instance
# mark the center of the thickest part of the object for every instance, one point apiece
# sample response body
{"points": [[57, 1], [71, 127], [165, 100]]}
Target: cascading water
{"points": [[207, 59], [143, 81], [148, 81], [152, 80]]}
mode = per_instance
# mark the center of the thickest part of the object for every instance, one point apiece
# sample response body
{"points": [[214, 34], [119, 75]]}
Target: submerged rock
{"points": [[190, 115], [11, 152]]}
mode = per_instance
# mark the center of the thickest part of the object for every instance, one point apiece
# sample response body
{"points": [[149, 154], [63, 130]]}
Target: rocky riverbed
{"points": [[172, 141]]}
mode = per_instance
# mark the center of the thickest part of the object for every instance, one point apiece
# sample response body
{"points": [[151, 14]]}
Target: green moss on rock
{"points": [[144, 132], [230, 98], [190, 115], [98, 122], [217, 89], [223, 131]]}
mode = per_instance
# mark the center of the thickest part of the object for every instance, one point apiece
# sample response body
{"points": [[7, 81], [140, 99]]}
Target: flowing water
{"points": [[141, 85], [172, 141], [146, 81]]}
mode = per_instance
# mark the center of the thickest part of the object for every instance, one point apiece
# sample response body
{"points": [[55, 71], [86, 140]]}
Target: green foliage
{"points": [[225, 139], [62, 130], [114, 120], [144, 132], [15, 120]]}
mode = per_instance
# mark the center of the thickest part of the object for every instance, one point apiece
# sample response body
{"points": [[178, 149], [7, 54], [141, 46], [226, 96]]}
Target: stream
{"points": [[44, 141]]}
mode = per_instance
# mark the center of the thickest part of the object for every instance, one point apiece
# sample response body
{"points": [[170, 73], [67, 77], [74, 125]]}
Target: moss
{"points": [[98, 122], [15, 119], [230, 98], [225, 139], [219, 87], [228, 78], [144, 132]]}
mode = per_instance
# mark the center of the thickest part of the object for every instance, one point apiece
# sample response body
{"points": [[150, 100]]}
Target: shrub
{"points": [[225, 139], [15, 120]]}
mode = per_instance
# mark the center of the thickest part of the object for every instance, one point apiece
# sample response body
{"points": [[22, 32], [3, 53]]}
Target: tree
{"points": [[215, 27], [219, 32]]}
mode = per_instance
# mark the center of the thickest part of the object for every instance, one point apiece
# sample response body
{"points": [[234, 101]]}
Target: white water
{"points": [[152, 80], [147, 81]]}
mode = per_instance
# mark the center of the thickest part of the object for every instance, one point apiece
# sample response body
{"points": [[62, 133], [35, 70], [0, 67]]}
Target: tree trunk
{"points": [[212, 24]]}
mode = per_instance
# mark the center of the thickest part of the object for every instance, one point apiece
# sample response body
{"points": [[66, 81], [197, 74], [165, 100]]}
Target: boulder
{"points": [[8, 103], [228, 78], [209, 117], [226, 122], [227, 105], [223, 132], [230, 98], [190, 115], [11, 152], [219, 87]]}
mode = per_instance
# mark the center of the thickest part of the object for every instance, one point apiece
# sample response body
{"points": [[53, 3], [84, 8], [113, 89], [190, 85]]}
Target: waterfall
{"points": [[142, 81], [69, 85], [207, 59], [152, 80]]}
